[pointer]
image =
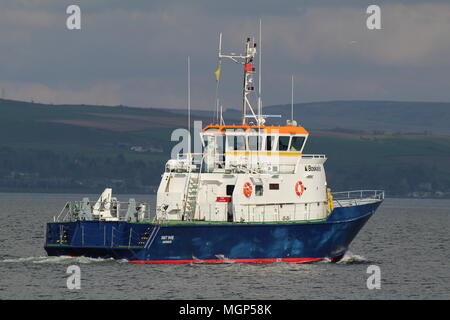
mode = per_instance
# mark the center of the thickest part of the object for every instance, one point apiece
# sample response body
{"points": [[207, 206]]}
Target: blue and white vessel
{"points": [[251, 195]]}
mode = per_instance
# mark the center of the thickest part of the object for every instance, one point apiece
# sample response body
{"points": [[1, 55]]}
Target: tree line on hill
{"points": [[50, 171]]}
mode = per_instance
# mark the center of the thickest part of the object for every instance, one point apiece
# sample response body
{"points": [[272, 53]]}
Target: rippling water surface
{"points": [[408, 240]]}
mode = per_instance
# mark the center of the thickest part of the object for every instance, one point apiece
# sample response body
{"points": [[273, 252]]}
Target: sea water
{"points": [[407, 239]]}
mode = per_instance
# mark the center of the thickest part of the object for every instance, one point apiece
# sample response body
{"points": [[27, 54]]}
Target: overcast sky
{"points": [[135, 52]]}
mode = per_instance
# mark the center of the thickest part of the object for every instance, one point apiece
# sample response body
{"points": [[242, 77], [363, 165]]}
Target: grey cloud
{"points": [[135, 52]]}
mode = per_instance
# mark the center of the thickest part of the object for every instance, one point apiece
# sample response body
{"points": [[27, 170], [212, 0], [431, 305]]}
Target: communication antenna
{"points": [[189, 103], [259, 73], [292, 98], [221, 121], [217, 74], [261, 120]]}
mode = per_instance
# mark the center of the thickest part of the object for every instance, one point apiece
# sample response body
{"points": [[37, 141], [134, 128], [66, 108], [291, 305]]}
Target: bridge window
{"points": [[283, 143], [297, 143], [236, 143], [240, 143], [220, 144], [254, 142], [274, 186], [270, 143]]}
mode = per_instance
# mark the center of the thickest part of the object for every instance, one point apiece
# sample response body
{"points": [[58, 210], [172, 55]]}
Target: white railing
{"points": [[313, 156], [358, 194], [72, 211], [65, 210], [251, 163], [356, 197]]}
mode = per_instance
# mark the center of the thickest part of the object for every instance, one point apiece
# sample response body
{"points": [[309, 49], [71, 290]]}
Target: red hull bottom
{"points": [[293, 260]]}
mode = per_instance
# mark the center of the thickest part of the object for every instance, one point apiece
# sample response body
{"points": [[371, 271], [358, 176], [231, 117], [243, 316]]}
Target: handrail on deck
{"points": [[358, 194], [66, 206], [72, 209], [313, 156]]}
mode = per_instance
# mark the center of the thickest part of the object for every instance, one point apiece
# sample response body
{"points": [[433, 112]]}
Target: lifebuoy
{"points": [[299, 188], [248, 189]]}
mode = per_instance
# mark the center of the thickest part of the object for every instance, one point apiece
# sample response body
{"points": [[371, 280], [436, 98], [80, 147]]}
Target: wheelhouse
{"points": [[228, 146]]}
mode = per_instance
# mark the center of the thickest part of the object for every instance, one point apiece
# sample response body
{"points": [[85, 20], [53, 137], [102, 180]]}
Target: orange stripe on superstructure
{"points": [[267, 129], [286, 129]]}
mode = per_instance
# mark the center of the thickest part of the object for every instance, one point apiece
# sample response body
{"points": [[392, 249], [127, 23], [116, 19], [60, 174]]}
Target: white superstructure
{"points": [[250, 172]]}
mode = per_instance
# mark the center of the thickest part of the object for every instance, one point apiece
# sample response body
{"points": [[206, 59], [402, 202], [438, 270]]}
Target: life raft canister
{"points": [[248, 189], [299, 188]]}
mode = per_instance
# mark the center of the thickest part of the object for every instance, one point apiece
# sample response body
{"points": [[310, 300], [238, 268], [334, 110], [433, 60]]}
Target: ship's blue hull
{"points": [[213, 242]]}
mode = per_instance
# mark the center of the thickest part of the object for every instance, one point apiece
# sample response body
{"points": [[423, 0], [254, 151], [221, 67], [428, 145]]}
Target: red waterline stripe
{"points": [[228, 260]]}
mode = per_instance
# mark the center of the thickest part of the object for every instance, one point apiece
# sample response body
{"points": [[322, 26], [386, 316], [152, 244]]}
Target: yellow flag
{"points": [[219, 69]]}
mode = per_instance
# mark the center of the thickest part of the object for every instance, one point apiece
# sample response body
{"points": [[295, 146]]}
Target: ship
{"points": [[250, 195]]}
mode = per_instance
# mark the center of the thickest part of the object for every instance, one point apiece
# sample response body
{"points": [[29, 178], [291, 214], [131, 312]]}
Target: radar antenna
{"points": [[246, 60]]}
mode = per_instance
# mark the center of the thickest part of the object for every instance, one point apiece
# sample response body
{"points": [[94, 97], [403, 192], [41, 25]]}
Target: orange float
{"points": [[299, 188], [248, 189]]}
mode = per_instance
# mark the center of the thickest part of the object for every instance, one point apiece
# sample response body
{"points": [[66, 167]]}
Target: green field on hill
{"points": [[401, 164]]}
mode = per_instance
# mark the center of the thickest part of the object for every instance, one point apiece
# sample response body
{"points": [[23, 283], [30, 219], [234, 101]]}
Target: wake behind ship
{"points": [[251, 195]]}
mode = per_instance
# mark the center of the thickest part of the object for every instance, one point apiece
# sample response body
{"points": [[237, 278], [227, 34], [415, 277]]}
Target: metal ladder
{"points": [[191, 197], [191, 192]]}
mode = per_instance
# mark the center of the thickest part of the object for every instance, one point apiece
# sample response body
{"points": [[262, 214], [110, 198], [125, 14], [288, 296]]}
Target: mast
{"points": [[246, 60], [244, 111]]}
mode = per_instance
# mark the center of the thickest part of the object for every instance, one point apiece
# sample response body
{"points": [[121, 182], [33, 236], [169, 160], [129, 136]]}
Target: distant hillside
{"points": [[83, 128], [389, 116], [55, 148]]}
